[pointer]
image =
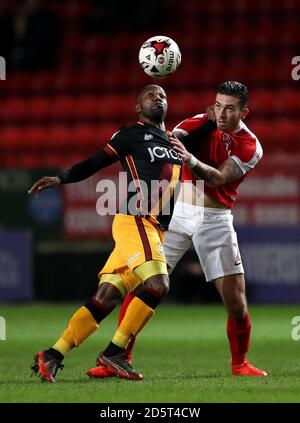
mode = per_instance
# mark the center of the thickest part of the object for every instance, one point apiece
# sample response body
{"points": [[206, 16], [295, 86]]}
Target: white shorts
{"points": [[211, 232]]}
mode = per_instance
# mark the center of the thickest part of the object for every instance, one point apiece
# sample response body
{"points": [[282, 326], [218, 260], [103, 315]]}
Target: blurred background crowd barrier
{"points": [[71, 76]]}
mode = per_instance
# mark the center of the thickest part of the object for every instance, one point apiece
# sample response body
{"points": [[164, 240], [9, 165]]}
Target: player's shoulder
{"points": [[123, 132], [245, 133], [248, 140], [200, 117], [191, 123]]}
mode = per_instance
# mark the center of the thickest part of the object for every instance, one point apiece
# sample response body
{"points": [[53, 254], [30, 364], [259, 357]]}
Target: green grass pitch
{"points": [[183, 353]]}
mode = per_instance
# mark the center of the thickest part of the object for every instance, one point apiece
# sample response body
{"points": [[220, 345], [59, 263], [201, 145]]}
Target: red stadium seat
{"points": [[187, 104], [262, 102], [9, 161], [66, 82], [72, 44], [63, 108], [56, 160], [75, 9], [39, 109], [58, 138], [261, 129], [11, 139], [287, 102], [103, 133], [64, 162], [30, 160], [116, 105], [92, 80], [95, 46], [87, 107], [17, 84], [14, 110], [286, 134], [83, 136], [34, 138], [42, 83]]}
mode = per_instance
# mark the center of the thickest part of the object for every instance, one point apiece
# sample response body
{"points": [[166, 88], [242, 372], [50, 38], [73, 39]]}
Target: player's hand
{"points": [[211, 113], [181, 150], [172, 136], [45, 182]]}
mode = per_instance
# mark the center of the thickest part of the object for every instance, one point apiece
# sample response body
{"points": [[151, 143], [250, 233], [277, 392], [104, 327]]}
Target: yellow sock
{"points": [[81, 326], [137, 315]]}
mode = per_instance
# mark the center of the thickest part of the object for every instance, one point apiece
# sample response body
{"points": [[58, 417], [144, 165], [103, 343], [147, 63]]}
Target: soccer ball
{"points": [[159, 56]]}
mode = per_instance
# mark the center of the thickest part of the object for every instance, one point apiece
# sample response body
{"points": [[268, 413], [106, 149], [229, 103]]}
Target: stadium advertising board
{"points": [[15, 266]]}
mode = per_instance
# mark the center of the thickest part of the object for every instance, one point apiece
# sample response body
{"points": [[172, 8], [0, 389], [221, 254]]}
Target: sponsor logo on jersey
{"points": [[227, 143], [148, 137], [134, 257], [160, 249], [238, 260], [163, 152]]}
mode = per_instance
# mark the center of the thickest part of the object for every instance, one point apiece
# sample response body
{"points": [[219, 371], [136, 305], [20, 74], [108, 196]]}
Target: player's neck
{"points": [[159, 125], [237, 128]]}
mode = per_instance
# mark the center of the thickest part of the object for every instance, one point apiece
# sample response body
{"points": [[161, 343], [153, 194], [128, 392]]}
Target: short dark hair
{"points": [[143, 89], [235, 89]]}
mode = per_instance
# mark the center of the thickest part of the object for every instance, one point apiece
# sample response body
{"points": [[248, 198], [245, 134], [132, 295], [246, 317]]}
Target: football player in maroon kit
{"points": [[203, 218], [146, 155]]}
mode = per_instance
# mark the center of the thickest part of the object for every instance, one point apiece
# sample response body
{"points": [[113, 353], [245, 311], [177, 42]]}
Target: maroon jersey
{"points": [[146, 154]]}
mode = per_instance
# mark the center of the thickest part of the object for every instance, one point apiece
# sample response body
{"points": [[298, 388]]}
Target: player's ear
{"points": [[245, 112], [138, 108]]}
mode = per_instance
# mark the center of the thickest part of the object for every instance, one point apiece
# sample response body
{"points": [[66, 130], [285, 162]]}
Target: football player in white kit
{"points": [[203, 218]]}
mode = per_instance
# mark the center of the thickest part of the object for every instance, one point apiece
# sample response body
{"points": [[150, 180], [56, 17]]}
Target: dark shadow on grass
{"points": [[81, 380]]}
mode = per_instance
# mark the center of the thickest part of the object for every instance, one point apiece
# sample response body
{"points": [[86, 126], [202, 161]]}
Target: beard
{"points": [[156, 114]]}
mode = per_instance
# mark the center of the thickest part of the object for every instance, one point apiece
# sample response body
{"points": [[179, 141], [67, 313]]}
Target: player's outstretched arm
{"points": [[228, 172], [76, 173], [192, 138], [45, 182]]}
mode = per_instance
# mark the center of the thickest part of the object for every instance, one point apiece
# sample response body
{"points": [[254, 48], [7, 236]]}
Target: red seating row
{"points": [[233, 7], [55, 138], [120, 107], [35, 160], [125, 46], [204, 74], [64, 108], [83, 137], [202, 70]]}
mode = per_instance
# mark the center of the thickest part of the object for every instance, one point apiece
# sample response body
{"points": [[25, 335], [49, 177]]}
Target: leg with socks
{"points": [[122, 313], [238, 331], [139, 310], [102, 371], [82, 324]]}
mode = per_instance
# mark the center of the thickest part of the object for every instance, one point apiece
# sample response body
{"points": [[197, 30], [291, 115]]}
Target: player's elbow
{"points": [[216, 181]]}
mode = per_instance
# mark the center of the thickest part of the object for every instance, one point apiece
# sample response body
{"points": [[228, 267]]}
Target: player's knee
{"points": [[108, 295], [160, 283], [165, 285], [237, 309]]}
